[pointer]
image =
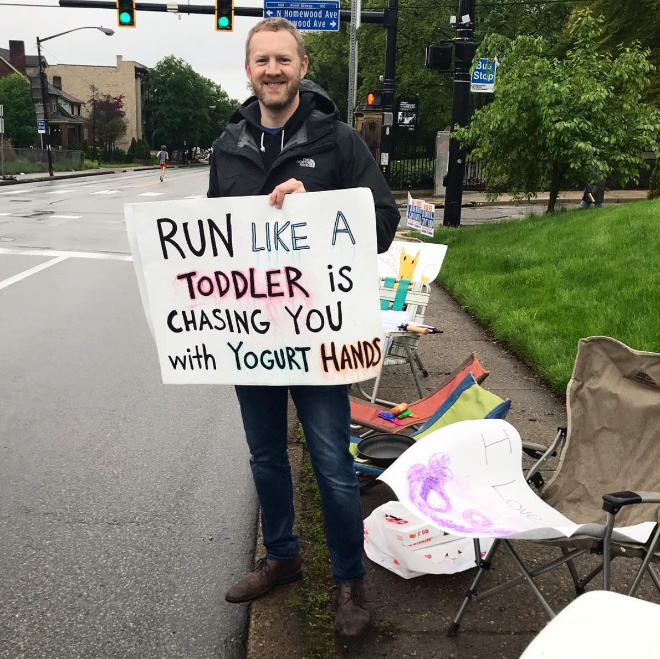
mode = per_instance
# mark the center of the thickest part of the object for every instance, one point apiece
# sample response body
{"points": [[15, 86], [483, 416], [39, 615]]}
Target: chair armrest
{"points": [[613, 502]]}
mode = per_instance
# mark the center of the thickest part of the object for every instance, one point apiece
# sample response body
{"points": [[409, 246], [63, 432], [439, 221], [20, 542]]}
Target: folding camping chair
{"points": [[468, 401], [413, 298], [365, 414], [609, 462]]}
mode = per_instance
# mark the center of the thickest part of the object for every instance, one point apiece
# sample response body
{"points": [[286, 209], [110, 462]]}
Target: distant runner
{"points": [[162, 159]]}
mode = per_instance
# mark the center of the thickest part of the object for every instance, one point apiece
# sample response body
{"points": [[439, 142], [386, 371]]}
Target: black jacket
{"points": [[313, 147]]}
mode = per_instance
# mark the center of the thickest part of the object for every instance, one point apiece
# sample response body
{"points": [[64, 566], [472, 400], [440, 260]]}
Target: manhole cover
{"points": [[4, 239]]}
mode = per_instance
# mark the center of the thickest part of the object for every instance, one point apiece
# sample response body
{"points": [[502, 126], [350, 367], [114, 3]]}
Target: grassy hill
{"points": [[543, 283]]}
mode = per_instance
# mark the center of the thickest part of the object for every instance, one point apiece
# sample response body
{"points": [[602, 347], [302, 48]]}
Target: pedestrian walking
{"points": [[593, 194], [288, 139]]}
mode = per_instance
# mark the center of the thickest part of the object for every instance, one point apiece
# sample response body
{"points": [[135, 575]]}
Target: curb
{"points": [[41, 179]]}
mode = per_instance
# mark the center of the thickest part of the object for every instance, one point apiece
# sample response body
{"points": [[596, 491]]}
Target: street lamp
{"points": [[44, 83]]}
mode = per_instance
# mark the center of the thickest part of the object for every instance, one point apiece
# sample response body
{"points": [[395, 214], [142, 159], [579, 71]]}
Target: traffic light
{"points": [[375, 99], [126, 13], [224, 15], [438, 56]]}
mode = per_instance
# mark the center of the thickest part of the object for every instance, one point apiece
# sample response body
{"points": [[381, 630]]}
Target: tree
{"points": [[183, 107], [563, 121], [625, 22], [20, 116], [420, 24], [107, 119]]}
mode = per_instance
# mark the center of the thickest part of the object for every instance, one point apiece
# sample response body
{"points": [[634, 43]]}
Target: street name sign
{"points": [[483, 76], [312, 15], [41, 126]]}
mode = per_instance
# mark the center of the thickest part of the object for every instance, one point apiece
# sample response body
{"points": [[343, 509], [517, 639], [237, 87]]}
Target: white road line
{"points": [[106, 256], [195, 196], [4, 214], [31, 271], [60, 191], [150, 194], [21, 191], [106, 192], [65, 217]]}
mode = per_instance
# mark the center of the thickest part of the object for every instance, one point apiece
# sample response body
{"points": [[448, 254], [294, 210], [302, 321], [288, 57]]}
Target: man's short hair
{"points": [[275, 25]]}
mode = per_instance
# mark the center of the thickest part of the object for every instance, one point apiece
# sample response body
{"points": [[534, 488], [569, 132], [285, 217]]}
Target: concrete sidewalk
{"points": [[411, 617], [567, 197]]}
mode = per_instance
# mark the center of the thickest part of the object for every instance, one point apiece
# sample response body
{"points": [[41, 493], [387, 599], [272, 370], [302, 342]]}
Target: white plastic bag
{"points": [[444, 554]]}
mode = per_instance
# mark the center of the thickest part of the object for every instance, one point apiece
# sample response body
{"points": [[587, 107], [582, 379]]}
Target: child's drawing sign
{"points": [[467, 479], [239, 292]]}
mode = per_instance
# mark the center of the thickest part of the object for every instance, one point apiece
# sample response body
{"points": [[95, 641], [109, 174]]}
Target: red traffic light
{"points": [[375, 99]]}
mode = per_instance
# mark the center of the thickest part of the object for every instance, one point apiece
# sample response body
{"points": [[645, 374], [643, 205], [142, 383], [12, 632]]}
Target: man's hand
{"points": [[292, 186]]}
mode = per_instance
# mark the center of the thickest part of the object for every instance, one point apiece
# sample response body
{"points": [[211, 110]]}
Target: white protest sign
{"points": [[239, 292], [414, 261], [467, 478]]}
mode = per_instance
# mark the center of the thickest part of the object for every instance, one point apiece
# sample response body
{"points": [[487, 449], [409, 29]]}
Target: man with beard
{"points": [[288, 139]]}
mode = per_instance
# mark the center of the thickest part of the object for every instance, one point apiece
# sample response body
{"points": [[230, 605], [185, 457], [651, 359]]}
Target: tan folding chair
{"points": [[609, 467]]}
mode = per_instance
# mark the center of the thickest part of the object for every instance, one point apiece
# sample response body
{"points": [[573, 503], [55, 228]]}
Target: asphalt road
{"points": [[126, 506]]}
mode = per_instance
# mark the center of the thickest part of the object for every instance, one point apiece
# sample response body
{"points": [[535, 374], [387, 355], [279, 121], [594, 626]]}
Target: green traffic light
{"points": [[124, 18], [223, 22]]}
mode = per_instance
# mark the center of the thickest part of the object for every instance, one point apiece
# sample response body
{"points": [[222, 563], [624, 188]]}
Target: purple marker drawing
{"points": [[426, 490]]}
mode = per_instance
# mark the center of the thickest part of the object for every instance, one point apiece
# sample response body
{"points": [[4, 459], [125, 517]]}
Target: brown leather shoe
{"points": [[267, 574], [352, 619]]}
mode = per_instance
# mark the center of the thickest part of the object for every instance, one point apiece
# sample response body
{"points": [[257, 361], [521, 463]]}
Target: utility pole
{"points": [[356, 10], [390, 22], [44, 103], [464, 49]]}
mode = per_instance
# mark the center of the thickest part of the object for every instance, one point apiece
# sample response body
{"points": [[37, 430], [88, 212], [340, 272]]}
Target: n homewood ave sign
{"points": [[313, 15]]}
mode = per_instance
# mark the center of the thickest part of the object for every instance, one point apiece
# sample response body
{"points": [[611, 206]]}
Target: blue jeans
{"points": [[325, 416]]}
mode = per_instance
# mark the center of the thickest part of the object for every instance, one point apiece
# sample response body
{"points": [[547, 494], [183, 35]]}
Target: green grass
{"points": [[315, 604], [542, 283]]}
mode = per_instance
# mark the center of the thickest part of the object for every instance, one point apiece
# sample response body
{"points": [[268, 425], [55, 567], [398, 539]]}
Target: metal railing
{"points": [[412, 167], [26, 161]]}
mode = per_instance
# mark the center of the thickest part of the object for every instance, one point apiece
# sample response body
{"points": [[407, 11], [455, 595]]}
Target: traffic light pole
{"points": [[44, 103], [391, 20], [255, 12], [463, 54]]}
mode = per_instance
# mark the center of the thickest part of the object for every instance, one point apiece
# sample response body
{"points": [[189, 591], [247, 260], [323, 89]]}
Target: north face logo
{"points": [[306, 162]]}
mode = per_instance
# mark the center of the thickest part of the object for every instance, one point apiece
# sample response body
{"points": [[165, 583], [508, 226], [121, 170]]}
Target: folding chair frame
{"points": [[400, 295], [612, 503]]}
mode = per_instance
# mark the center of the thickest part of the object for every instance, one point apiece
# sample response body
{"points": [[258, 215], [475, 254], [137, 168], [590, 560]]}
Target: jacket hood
{"points": [[314, 96]]}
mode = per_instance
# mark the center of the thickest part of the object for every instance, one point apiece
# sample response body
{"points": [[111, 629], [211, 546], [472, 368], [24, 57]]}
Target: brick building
{"points": [[123, 79], [65, 120]]}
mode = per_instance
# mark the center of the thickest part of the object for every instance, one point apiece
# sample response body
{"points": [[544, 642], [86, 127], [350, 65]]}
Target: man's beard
{"points": [[290, 93]]}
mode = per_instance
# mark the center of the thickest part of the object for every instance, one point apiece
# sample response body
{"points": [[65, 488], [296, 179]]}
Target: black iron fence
{"points": [[473, 179], [412, 167]]}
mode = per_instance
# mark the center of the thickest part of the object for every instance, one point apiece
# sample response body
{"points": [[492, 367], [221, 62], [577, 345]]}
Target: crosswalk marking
{"points": [[32, 271]]}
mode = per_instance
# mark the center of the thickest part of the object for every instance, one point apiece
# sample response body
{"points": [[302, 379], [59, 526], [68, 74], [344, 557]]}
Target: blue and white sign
{"points": [[483, 76], [312, 15], [420, 215], [41, 126]]}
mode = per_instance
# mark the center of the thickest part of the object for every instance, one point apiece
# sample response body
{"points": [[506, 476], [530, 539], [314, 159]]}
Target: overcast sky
{"points": [[216, 55]]}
